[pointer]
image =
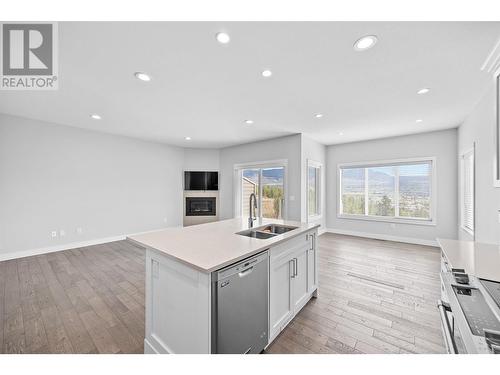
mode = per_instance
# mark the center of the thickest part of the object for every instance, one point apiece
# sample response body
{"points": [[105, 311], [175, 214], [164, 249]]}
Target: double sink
{"points": [[267, 231]]}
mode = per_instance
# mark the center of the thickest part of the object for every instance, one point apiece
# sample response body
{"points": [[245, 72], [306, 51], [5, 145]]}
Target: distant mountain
{"points": [[382, 183], [269, 176]]}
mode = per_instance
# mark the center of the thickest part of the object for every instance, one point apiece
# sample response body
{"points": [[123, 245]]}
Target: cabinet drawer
{"points": [[291, 245]]}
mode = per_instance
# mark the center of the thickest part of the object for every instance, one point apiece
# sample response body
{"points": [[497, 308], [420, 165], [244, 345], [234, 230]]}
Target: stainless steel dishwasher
{"points": [[240, 294]]}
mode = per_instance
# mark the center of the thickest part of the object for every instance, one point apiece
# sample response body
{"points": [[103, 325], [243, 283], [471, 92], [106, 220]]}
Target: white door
{"points": [[299, 278], [281, 307], [312, 276]]}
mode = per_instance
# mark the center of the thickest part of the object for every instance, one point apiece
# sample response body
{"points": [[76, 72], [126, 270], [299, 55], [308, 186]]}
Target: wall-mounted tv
{"points": [[194, 180]]}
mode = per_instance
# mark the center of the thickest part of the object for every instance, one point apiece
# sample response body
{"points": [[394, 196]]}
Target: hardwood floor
{"points": [[375, 297], [88, 300]]}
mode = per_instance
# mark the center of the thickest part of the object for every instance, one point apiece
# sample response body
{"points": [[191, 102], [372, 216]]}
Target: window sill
{"points": [[389, 219]]}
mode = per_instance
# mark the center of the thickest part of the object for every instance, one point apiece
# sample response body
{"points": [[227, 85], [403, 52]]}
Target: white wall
{"points": [[441, 144], [199, 159], [57, 177], [312, 150], [279, 148], [479, 127]]}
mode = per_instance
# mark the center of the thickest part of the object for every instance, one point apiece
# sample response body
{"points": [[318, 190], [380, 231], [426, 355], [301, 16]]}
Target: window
{"points": [[399, 190], [313, 188], [467, 164], [268, 185]]}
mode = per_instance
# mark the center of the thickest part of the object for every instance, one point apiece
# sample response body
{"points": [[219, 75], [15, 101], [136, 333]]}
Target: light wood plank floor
{"points": [[375, 297]]}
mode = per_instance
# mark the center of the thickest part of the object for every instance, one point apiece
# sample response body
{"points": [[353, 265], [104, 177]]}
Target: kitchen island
{"points": [[182, 265]]}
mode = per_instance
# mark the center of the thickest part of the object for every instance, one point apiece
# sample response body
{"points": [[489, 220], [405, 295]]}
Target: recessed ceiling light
{"points": [[425, 90], [187, 138], [340, 133], [249, 122], [142, 76], [267, 73], [419, 121], [222, 38], [95, 116], [318, 115], [365, 43]]}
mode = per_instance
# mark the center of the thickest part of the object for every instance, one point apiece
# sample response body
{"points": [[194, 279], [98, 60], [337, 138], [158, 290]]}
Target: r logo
{"points": [[27, 49]]}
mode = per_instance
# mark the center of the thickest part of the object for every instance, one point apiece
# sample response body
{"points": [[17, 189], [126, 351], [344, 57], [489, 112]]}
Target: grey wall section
{"points": [[312, 150], [441, 144], [479, 127], [279, 148], [57, 177], [200, 159]]}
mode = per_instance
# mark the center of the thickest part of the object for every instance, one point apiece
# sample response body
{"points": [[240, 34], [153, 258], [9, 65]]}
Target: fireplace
{"points": [[200, 206]]}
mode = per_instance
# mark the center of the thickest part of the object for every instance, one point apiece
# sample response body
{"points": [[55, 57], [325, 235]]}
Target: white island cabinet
{"points": [[179, 267]]}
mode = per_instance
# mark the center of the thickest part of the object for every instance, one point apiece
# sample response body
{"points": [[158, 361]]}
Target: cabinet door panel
{"points": [[299, 287], [312, 276], [281, 307]]}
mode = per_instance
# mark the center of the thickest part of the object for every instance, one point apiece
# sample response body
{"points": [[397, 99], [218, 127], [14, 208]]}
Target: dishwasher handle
{"points": [[246, 272]]}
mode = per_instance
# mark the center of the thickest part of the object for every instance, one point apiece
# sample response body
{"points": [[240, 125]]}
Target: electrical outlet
{"points": [[53, 234], [165, 220], [292, 198], [79, 230], [62, 233]]}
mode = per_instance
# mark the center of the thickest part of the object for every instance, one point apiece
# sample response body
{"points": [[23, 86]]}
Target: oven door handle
{"points": [[448, 334]]}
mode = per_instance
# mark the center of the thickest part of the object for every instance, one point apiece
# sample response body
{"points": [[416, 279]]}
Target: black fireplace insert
{"points": [[200, 206]]}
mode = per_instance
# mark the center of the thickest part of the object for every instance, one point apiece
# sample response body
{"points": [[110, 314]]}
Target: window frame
{"points": [[391, 219], [319, 190], [463, 155], [238, 169]]}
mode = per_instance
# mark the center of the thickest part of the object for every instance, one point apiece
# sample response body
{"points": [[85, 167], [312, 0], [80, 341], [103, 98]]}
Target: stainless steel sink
{"points": [[255, 234], [267, 231], [276, 228]]}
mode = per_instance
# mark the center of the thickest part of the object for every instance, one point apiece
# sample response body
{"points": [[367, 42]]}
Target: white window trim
{"points": [[258, 164], [462, 184], [319, 193], [391, 219], [496, 164]]}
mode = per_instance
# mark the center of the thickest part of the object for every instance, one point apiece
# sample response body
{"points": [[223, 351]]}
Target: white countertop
{"points": [[212, 246], [478, 259]]}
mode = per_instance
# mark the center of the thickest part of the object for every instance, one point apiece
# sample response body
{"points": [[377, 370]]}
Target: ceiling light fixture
{"points": [[222, 38], [249, 122], [340, 133], [142, 76], [95, 116], [425, 90], [364, 43], [318, 115], [267, 73], [419, 121], [187, 138]]}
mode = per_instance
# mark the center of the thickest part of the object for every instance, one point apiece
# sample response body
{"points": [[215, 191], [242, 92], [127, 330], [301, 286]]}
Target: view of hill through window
{"points": [[402, 190]]}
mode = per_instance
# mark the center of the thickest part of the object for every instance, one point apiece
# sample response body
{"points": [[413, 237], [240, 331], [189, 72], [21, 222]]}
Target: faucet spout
{"points": [[251, 218]]}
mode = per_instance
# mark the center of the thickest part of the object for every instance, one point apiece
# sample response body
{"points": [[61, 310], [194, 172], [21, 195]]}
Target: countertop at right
{"points": [[479, 259]]}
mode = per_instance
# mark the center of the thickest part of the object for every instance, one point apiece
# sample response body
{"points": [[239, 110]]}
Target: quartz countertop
{"points": [[478, 259], [212, 246]]}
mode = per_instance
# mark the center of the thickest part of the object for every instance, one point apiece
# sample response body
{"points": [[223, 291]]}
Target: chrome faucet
{"points": [[252, 217]]}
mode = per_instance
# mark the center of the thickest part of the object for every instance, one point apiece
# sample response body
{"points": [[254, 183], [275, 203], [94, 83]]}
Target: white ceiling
{"points": [[206, 90]]}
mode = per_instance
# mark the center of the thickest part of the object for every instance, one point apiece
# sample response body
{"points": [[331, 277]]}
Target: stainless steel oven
{"points": [[470, 316]]}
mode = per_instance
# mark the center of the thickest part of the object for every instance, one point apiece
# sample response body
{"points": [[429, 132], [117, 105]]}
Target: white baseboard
{"points": [[52, 249], [66, 246], [322, 230], [385, 237]]}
